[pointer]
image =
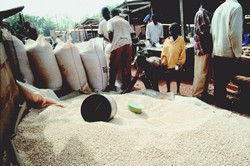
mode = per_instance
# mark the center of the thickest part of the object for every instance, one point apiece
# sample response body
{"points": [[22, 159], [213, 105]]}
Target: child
{"points": [[173, 56], [148, 70]]}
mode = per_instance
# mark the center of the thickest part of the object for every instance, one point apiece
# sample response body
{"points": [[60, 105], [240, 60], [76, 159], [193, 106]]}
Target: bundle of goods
{"points": [[43, 64], [71, 66], [16, 50], [93, 57]]}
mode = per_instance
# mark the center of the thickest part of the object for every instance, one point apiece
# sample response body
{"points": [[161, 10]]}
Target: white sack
{"points": [[43, 63], [71, 66], [16, 48], [108, 52], [94, 60]]}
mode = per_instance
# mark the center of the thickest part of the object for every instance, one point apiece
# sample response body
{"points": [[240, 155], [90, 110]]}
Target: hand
{"points": [[180, 67], [125, 91], [152, 43], [163, 65]]}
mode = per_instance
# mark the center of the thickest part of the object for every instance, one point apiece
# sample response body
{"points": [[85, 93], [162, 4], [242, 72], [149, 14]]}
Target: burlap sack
{"points": [[43, 63], [94, 60], [71, 66]]}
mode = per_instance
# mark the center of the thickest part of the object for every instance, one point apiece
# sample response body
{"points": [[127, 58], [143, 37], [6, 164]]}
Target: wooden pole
{"points": [[182, 18]]}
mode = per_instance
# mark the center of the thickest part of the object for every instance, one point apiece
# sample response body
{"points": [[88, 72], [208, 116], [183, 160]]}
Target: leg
{"points": [[201, 75], [126, 60], [223, 73], [155, 84], [145, 80], [154, 78], [178, 80], [112, 69], [168, 85], [168, 78]]}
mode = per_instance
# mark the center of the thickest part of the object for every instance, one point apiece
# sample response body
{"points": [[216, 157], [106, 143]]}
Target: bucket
{"points": [[98, 107]]}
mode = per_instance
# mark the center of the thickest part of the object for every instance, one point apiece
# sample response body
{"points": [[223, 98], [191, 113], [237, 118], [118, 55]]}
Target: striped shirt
{"points": [[202, 32]]}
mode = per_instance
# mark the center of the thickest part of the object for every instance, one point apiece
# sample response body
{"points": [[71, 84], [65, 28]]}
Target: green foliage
{"points": [[64, 23], [45, 24], [48, 25]]}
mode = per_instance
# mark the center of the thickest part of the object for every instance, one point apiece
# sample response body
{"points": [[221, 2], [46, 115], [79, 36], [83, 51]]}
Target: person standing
{"points": [[102, 28], [121, 50], [203, 51], [226, 29], [173, 56], [31, 31], [154, 31]]}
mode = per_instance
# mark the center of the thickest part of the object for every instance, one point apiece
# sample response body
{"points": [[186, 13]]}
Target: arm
{"points": [[148, 35], [132, 83], [104, 37], [182, 56], [110, 31], [235, 33], [164, 61], [161, 40], [111, 35], [201, 26], [162, 35], [147, 32], [203, 32], [100, 35]]}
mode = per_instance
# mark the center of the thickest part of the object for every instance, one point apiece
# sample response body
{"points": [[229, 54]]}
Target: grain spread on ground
{"points": [[181, 132]]}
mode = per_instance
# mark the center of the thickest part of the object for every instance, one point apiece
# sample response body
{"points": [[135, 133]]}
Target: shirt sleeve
{"points": [[200, 26], [162, 32], [130, 28], [163, 55], [100, 30], [182, 57], [109, 27], [236, 32], [147, 32]]}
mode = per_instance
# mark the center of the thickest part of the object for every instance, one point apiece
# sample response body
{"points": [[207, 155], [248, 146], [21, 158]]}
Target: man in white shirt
{"points": [[121, 51], [154, 31], [226, 29], [102, 28]]}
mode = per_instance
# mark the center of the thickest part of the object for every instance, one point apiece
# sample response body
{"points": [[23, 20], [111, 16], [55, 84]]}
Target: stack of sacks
{"points": [[17, 51], [43, 63], [94, 60], [72, 69]]}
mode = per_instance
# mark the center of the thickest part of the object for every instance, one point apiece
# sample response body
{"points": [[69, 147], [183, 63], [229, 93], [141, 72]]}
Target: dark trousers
{"points": [[151, 79], [121, 57], [224, 71], [172, 74]]}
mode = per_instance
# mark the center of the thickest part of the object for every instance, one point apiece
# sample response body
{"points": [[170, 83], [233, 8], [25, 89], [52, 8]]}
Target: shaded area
{"points": [[138, 9]]}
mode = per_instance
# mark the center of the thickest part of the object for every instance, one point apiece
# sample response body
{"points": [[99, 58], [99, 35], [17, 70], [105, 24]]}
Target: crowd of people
{"points": [[217, 46]]}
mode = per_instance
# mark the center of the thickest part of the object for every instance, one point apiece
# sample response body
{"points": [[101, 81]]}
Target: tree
{"points": [[64, 23], [49, 24], [43, 25]]}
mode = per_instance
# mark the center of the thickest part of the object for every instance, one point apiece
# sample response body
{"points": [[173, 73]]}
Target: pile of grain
{"points": [[181, 132]]}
